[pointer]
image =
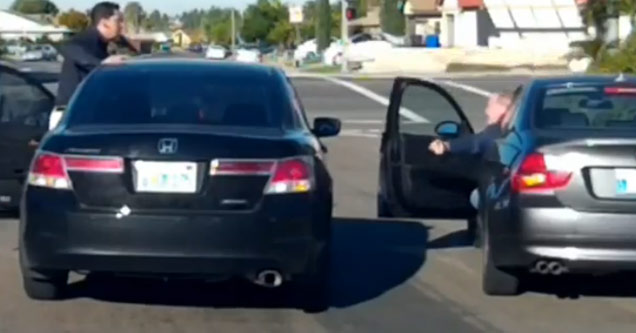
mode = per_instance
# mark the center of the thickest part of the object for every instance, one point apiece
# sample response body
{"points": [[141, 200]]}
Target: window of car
{"points": [[181, 96], [589, 106], [22, 102]]}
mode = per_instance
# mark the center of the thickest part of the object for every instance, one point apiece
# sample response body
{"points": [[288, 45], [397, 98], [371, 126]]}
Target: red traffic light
{"points": [[351, 13]]}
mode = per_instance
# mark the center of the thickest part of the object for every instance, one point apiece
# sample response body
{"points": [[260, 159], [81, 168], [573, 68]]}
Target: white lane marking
{"points": [[469, 88], [377, 98], [358, 133], [363, 121]]}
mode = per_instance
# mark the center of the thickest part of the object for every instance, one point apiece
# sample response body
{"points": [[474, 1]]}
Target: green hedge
{"points": [[622, 60]]}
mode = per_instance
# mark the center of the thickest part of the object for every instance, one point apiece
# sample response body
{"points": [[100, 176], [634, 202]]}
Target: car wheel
{"points": [[315, 291], [51, 289], [49, 285], [496, 282]]}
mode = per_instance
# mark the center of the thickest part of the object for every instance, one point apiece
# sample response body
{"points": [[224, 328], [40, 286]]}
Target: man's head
{"points": [[108, 20], [500, 105]]}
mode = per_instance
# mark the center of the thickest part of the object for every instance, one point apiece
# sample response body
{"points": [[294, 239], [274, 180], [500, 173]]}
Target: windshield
{"points": [[181, 97], [589, 106]]}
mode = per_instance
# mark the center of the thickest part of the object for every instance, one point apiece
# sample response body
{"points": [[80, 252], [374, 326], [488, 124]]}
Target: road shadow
{"points": [[370, 258], [580, 286], [9, 215], [455, 239]]}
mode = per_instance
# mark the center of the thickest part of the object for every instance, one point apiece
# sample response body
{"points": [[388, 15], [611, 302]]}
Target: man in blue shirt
{"points": [[497, 113]]}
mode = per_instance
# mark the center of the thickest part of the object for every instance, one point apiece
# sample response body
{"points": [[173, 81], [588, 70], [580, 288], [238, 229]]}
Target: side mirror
{"points": [[326, 127], [55, 117], [447, 129]]}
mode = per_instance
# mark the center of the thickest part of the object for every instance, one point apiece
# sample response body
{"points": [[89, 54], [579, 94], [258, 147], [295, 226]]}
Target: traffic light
{"points": [[351, 13]]}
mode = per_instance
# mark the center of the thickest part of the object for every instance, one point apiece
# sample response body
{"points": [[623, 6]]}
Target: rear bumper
{"points": [[584, 242], [10, 194], [284, 234]]}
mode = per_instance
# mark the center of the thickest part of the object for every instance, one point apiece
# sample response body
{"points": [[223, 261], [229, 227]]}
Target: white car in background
{"points": [[362, 47], [216, 52], [248, 55], [306, 49], [32, 53]]}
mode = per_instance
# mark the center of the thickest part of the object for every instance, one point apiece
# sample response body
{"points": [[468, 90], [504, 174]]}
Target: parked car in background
{"points": [[248, 55], [216, 52], [362, 47], [48, 52], [33, 53]]}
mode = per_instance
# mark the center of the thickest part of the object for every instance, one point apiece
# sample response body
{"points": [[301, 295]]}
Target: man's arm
{"points": [[79, 56]]}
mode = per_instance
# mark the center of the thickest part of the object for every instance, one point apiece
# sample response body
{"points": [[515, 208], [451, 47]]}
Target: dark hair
{"points": [[103, 10]]}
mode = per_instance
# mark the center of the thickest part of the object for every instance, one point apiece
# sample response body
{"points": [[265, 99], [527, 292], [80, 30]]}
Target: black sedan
{"points": [[557, 191], [181, 167]]}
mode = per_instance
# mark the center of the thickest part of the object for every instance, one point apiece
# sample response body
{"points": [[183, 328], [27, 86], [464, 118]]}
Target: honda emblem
{"points": [[168, 146]]}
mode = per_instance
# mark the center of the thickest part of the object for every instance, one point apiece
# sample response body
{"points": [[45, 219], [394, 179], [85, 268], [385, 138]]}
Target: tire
{"points": [[496, 282], [44, 286], [315, 288], [44, 290], [384, 209]]}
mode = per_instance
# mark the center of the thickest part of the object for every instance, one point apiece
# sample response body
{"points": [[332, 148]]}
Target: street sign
{"points": [[295, 14]]}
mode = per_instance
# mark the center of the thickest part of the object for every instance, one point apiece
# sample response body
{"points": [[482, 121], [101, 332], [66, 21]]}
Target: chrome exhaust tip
{"points": [[542, 267], [269, 279]]}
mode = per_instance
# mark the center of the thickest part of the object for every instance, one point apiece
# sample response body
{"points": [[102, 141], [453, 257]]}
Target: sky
{"points": [[166, 6]]}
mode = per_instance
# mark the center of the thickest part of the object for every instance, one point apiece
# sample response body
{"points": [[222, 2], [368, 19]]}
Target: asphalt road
{"points": [[389, 275]]}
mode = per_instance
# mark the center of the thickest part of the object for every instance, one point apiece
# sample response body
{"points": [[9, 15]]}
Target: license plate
{"points": [[625, 181], [5, 199], [166, 177]]}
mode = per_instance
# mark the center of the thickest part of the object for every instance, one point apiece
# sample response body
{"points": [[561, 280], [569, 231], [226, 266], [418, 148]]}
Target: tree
{"points": [[361, 8], [323, 24], [134, 16], [156, 22], [34, 7], [391, 18], [261, 18], [74, 20]]}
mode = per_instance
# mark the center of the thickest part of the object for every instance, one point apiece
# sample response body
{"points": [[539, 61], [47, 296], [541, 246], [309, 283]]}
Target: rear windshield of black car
{"points": [[598, 106], [181, 97]]}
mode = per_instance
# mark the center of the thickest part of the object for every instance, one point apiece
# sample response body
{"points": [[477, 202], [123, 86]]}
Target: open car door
{"points": [[413, 181], [24, 115]]}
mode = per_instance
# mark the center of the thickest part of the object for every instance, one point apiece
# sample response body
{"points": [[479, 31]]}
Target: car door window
{"points": [[22, 102], [422, 108]]}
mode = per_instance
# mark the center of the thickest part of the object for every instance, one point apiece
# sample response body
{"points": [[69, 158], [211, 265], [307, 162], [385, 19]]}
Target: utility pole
{"points": [[611, 25], [344, 35], [233, 31]]}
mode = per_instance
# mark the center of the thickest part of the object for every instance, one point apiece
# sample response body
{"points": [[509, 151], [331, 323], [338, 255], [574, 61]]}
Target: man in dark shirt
{"points": [[89, 49], [497, 113]]}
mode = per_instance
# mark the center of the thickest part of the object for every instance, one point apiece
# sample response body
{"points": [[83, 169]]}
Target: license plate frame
{"points": [[625, 180], [165, 177]]}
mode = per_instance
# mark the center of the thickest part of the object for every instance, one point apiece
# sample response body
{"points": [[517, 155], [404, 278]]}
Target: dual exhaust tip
{"points": [[268, 278], [545, 267]]}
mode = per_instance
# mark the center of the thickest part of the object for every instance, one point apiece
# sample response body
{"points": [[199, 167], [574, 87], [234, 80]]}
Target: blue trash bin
{"points": [[432, 41]]}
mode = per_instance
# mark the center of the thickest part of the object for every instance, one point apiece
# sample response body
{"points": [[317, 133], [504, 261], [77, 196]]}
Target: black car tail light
{"points": [[291, 175], [48, 170], [51, 170]]}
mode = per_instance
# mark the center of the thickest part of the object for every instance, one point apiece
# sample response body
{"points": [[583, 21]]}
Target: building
{"points": [[370, 23], [543, 24], [180, 38], [145, 42], [17, 26], [465, 23], [423, 18]]}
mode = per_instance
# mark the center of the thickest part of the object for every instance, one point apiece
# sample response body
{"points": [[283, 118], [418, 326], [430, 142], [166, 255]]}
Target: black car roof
{"points": [[186, 63]]}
